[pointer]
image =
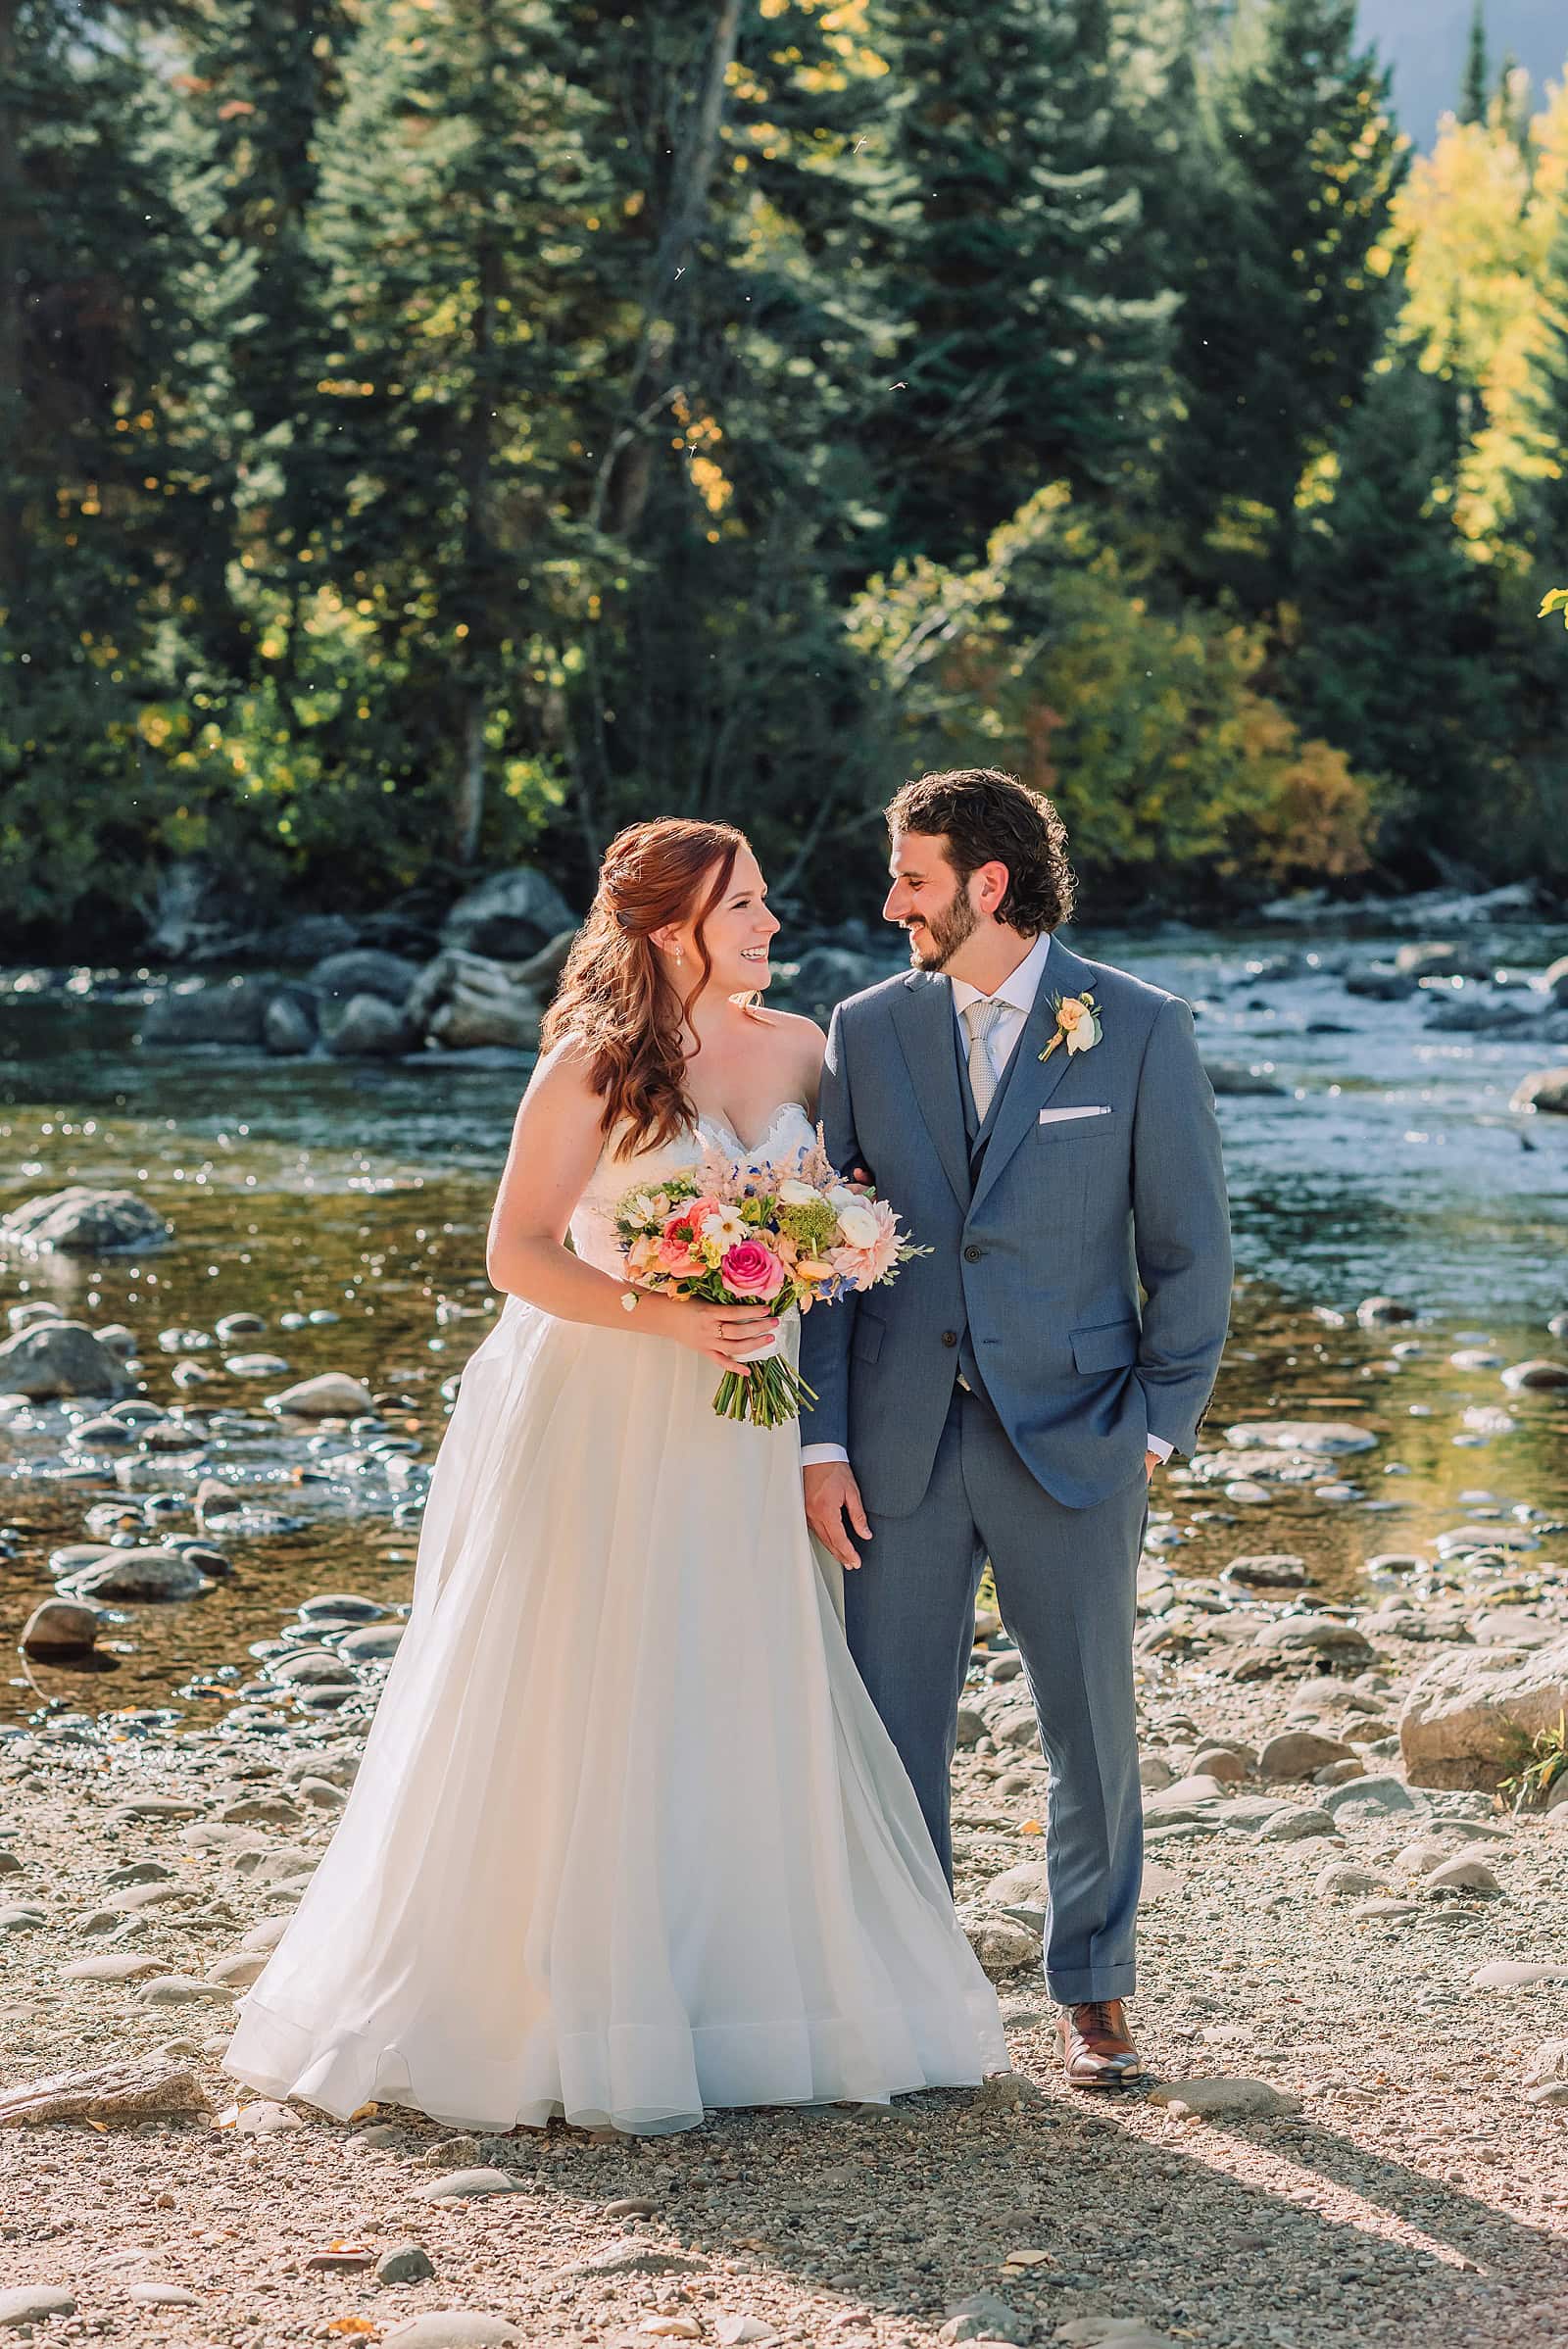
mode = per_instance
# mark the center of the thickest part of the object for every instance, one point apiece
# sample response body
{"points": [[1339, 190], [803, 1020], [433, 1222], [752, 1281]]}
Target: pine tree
{"points": [[1395, 621], [1476, 91], [1037, 335], [1284, 311], [457, 206], [106, 520], [258, 96]]}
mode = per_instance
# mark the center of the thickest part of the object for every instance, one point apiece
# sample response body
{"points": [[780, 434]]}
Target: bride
{"points": [[628, 1839]]}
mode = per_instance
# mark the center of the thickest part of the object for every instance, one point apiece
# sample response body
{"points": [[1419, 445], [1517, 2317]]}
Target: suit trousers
{"points": [[1067, 1581]]}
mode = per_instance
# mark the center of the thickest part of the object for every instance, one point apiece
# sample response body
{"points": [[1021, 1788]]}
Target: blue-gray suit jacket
{"points": [[1084, 1270]]}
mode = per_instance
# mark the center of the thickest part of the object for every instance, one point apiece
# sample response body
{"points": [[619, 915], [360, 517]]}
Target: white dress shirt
{"points": [[1017, 993]]}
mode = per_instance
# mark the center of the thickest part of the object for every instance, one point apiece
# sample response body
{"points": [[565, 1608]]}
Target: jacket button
{"points": [[950, 1337], [973, 1254]]}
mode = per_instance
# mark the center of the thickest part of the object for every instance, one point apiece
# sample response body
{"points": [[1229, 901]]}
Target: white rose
{"points": [[840, 1196], [858, 1225], [793, 1193]]}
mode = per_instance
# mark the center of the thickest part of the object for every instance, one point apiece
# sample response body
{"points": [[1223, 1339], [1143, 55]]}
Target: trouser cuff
{"points": [[1073, 1986]]}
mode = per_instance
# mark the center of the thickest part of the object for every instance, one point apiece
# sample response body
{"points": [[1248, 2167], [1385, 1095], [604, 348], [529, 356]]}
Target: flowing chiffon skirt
{"points": [[629, 1839]]}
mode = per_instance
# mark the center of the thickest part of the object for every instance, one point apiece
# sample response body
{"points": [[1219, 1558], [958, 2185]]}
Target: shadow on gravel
{"points": [[912, 2214]]}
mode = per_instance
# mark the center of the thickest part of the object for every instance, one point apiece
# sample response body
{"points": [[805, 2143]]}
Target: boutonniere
{"points": [[1077, 1024]]}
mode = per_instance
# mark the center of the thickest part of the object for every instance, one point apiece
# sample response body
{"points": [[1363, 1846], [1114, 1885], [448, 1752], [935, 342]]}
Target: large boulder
{"points": [[1441, 959], [1472, 1716], [1546, 1088], [83, 1222], [543, 970], [290, 1027], [826, 974], [61, 1627], [363, 970], [209, 1012], [368, 1028], [1380, 985], [509, 916], [138, 1574], [59, 1357], [463, 1001]]}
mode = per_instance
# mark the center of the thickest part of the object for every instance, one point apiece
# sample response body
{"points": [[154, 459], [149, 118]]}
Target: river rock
{"points": [[362, 972], [209, 1012], [1364, 1800], [331, 1395], [1550, 2062], [1223, 2099], [82, 1221], [134, 2088], [1380, 984], [368, 1028], [453, 2328], [1471, 1715], [1000, 1943], [826, 974], [510, 916], [1342, 1880], [1514, 1974], [1382, 1312], [1441, 959], [1325, 1439], [1318, 1639], [289, 1027], [1267, 1571], [1462, 1874], [59, 1357], [1296, 1754], [34, 2304], [466, 1002], [1547, 1090], [1229, 1078], [140, 1575], [463, 2186], [61, 1627], [985, 2316], [1542, 1373]]}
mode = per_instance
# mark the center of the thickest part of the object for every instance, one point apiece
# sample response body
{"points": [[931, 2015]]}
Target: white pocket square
{"points": [[1058, 1117]]}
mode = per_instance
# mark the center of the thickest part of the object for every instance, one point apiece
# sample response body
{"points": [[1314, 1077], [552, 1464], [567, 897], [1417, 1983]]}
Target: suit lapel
{"points": [[922, 1021], [1031, 1081]]}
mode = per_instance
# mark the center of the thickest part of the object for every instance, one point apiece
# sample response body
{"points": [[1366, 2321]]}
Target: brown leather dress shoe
{"points": [[1096, 2046]]}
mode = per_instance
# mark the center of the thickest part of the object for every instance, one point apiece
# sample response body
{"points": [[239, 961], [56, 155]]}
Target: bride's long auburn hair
{"points": [[612, 994]]}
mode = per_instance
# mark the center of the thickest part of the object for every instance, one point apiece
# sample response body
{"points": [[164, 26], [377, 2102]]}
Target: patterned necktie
{"points": [[979, 1018]]}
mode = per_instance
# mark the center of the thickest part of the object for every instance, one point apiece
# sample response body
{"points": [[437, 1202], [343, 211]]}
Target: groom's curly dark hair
{"points": [[987, 817]]}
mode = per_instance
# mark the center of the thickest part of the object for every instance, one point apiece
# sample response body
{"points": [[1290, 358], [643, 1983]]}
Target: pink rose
{"points": [[753, 1270], [677, 1258]]}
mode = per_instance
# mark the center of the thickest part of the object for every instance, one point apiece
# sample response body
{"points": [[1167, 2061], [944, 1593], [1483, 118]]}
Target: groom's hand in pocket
{"points": [[832, 1495]]}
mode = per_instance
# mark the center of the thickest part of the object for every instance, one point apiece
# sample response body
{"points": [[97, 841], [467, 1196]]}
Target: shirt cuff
{"points": [[816, 1455], [1158, 1445]]}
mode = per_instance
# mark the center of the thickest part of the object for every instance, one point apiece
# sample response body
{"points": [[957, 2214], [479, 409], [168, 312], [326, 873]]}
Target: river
{"points": [[1385, 1163]]}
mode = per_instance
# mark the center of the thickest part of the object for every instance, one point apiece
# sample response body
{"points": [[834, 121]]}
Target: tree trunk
{"points": [[11, 216], [468, 812]]}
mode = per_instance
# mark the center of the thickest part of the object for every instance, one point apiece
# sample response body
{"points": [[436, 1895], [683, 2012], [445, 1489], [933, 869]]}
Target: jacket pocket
{"points": [[866, 1343], [1100, 1123], [1112, 1345]]}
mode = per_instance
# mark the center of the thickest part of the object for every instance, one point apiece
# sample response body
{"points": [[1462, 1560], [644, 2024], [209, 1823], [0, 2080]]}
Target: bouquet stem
{"points": [[769, 1394]]}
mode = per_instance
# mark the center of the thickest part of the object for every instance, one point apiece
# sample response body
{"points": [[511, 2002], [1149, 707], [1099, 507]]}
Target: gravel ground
{"points": [[1416, 2193]]}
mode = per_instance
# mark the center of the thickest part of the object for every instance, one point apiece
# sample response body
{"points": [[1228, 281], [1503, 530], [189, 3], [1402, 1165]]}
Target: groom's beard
{"points": [[943, 934]]}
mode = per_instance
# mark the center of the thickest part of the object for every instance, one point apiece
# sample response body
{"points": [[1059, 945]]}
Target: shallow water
{"points": [[1390, 1163]]}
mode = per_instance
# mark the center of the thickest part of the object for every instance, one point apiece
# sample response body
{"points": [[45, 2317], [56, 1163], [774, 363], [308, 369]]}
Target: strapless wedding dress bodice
{"points": [[788, 1132], [628, 1839]]}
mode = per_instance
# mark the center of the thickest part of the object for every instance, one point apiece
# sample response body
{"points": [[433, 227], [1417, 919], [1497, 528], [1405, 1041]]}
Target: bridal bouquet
{"points": [[774, 1233]]}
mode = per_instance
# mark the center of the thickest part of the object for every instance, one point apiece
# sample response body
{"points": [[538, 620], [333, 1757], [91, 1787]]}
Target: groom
{"points": [[1043, 1126]]}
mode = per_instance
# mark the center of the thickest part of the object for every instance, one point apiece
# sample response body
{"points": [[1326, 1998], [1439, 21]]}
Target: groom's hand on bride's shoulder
{"points": [[832, 1495]]}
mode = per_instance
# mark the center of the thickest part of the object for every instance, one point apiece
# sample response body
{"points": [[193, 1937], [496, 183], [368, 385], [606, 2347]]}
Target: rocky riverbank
{"points": [[1354, 1954]]}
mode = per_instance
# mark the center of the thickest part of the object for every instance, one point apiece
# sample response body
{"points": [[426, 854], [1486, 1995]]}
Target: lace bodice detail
{"points": [[788, 1132]]}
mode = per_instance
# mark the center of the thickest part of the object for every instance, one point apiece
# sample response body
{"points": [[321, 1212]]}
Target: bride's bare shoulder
{"points": [[793, 1027]]}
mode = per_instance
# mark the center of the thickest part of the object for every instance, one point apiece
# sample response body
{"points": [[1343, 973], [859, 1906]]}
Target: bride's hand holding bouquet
{"points": [[729, 1237]]}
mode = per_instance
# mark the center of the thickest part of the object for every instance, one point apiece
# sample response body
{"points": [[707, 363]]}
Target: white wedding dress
{"points": [[628, 1839]]}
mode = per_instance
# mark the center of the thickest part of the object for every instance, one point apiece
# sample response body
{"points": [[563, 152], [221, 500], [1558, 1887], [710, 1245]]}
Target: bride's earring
{"points": [[681, 957]]}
